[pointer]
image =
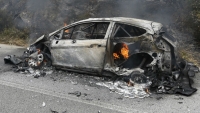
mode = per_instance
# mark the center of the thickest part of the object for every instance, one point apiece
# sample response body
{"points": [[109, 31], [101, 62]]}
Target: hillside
{"points": [[34, 17]]}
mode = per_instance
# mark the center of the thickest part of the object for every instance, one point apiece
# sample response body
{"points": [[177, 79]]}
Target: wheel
{"points": [[36, 62]]}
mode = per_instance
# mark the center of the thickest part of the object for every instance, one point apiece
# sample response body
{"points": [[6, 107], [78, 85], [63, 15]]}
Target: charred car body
{"points": [[135, 49]]}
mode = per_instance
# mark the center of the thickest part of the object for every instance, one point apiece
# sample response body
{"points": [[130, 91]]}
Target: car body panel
{"points": [[82, 53], [87, 54]]}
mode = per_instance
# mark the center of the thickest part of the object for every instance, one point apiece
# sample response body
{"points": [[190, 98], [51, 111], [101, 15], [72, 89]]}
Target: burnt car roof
{"points": [[150, 26], [133, 21]]}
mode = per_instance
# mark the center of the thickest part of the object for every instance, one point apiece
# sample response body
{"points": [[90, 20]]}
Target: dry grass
{"points": [[14, 41], [190, 56], [13, 36]]}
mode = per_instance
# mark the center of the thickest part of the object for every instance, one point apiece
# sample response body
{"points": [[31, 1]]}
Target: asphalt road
{"points": [[21, 93]]}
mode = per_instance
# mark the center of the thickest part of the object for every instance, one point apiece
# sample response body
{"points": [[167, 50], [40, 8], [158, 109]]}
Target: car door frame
{"points": [[90, 70]]}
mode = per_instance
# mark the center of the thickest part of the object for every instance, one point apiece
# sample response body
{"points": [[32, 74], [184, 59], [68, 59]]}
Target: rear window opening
{"points": [[123, 30]]}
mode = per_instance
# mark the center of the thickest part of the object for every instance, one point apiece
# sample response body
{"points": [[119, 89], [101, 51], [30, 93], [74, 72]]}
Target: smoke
{"points": [[45, 16], [37, 5], [173, 14], [162, 11]]}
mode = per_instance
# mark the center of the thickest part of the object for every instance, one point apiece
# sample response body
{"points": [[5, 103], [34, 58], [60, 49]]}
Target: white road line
{"points": [[68, 97]]}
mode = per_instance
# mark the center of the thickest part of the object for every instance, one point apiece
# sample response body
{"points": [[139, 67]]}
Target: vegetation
{"points": [[194, 18], [14, 36], [189, 22], [9, 33], [190, 56], [5, 20]]}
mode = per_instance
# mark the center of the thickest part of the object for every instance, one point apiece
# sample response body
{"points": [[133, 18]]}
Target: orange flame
{"points": [[116, 56], [124, 52], [66, 31]]}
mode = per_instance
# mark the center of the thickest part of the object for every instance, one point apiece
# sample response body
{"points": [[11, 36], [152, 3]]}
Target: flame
{"points": [[130, 83], [116, 56], [66, 31], [124, 52]]}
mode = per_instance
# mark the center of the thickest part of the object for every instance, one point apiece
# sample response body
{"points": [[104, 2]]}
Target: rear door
{"points": [[81, 46]]}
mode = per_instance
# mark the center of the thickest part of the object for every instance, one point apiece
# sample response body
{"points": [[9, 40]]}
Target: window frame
{"points": [[114, 31], [77, 24]]}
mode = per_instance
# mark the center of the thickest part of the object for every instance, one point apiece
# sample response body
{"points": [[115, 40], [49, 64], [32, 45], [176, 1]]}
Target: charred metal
{"points": [[132, 50]]}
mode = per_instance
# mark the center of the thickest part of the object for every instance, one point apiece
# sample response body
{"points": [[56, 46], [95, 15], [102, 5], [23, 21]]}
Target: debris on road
{"points": [[77, 93], [180, 102], [12, 59], [53, 111], [33, 62], [120, 87], [43, 104], [158, 98], [74, 82]]}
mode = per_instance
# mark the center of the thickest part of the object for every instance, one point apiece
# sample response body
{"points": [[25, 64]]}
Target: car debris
{"points": [[74, 82], [180, 102], [43, 104], [136, 91], [139, 54], [77, 93], [29, 63], [12, 59], [158, 98], [53, 111]]}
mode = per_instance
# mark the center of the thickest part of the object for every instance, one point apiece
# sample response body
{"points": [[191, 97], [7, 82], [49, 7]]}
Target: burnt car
{"points": [[126, 47]]}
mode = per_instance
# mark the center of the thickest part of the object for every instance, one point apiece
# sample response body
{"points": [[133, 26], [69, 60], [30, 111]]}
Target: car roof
{"points": [[150, 26], [119, 19]]}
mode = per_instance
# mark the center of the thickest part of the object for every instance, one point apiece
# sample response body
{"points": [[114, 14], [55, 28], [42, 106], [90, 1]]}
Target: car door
{"points": [[81, 46]]}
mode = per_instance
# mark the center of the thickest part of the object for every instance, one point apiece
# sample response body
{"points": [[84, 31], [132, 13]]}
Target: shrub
{"points": [[14, 36]]}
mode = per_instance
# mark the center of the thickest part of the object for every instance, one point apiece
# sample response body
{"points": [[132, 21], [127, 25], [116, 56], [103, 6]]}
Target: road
{"points": [[22, 93]]}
